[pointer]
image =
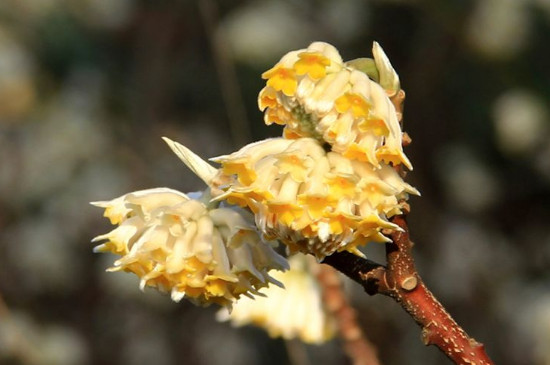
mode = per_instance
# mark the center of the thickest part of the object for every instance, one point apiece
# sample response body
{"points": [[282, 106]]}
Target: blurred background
{"points": [[87, 88]]}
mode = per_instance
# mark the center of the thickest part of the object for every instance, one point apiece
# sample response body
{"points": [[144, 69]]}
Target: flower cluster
{"points": [[313, 93], [182, 246], [297, 311], [329, 184], [312, 200]]}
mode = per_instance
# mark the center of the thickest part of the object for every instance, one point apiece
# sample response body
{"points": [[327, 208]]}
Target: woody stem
{"points": [[400, 281]]}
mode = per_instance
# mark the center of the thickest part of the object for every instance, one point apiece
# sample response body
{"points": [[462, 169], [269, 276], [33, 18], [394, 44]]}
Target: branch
{"points": [[360, 350], [353, 267], [401, 282]]}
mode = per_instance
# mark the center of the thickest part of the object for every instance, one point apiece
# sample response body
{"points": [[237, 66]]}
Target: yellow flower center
{"points": [[386, 155], [316, 205], [341, 186], [291, 134], [358, 105], [281, 79], [338, 223], [268, 98], [356, 152], [278, 115], [313, 64], [244, 174], [294, 165], [286, 213], [375, 125]]}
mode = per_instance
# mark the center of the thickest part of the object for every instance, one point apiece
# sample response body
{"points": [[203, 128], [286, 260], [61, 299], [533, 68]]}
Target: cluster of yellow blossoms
{"points": [[314, 201], [313, 93], [328, 184], [181, 245]]}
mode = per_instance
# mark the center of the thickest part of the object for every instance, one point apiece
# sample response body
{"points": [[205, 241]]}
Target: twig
{"points": [[401, 282], [353, 266], [360, 350]]}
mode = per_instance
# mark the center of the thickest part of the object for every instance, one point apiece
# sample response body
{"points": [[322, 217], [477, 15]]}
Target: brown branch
{"points": [[360, 350], [401, 282], [353, 267]]}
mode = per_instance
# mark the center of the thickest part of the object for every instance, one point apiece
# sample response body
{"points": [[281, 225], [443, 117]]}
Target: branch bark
{"points": [[400, 281]]}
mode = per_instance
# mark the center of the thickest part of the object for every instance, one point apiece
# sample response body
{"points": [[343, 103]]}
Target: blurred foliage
{"points": [[88, 88]]}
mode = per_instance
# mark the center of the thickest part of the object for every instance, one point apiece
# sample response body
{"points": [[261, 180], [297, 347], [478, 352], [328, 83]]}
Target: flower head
{"points": [[294, 312], [313, 93], [312, 200], [186, 247]]}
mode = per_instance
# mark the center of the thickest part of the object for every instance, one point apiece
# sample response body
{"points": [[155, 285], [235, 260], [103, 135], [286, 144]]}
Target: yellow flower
{"points": [[281, 79], [294, 312], [183, 246], [313, 64], [313, 93], [313, 201], [354, 102]]}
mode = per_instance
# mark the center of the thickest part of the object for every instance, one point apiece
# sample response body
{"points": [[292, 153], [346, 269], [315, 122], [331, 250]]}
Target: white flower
{"points": [[313, 201], [297, 311], [313, 93], [188, 248]]}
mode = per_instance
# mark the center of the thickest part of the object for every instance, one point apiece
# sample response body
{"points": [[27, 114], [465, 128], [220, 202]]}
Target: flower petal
{"points": [[200, 167]]}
